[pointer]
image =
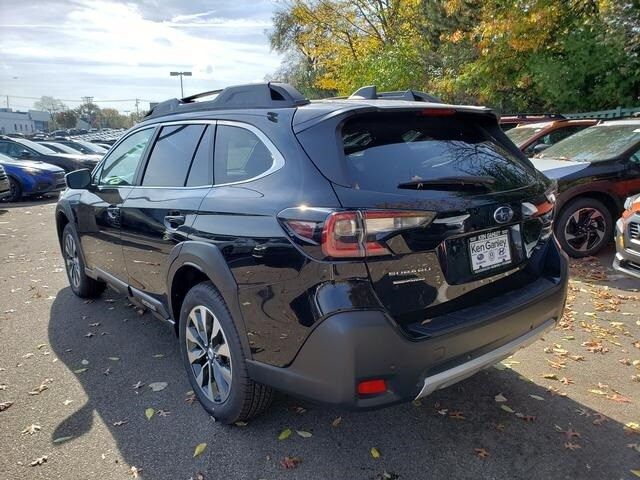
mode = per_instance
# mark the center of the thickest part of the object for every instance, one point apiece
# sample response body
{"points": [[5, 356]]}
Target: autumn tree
{"points": [[66, 119]]}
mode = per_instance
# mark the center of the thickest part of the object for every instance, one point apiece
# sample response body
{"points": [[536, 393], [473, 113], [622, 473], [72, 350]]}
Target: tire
{"points": [[583, 227], [16, 191], [82, 285], [215, 352]]}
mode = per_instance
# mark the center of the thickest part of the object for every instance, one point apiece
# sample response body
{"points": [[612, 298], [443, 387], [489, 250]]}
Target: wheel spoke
{"points": [[195, 354], [222, 376], [222, 350], [193, 336], [215, 330]]}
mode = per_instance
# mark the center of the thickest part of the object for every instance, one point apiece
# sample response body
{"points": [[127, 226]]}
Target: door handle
{"points": [[174, 221]]}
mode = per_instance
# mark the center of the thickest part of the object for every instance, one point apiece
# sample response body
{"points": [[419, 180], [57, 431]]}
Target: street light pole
{"points": [[180, 74]]}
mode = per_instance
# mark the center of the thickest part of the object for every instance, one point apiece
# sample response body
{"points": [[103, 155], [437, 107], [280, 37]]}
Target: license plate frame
{"points": [[489, 251]]}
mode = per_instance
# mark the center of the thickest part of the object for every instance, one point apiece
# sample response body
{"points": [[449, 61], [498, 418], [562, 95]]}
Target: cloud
{"points": [[112, 49]]}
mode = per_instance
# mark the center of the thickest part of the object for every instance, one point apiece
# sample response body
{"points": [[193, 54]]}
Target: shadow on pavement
{"points": [[414, 441]]}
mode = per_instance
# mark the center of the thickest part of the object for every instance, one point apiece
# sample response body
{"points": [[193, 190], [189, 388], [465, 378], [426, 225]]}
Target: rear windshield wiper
{"points": [[451, 184]]}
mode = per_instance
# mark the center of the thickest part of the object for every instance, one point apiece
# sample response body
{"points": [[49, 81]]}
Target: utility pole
{"points": [[137, 109], [180, 74], [7, 102]]}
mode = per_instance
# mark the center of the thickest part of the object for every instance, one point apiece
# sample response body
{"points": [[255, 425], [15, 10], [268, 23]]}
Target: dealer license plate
{"points": [[489, 250]]}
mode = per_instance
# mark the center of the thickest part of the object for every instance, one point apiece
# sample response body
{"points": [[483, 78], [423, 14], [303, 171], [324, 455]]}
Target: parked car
{"points": [[27, 150], [87, 148], [5, 186], [534, 138], [29, 178], [507, 122], [360, 252], [59, 148], [596, 170], [627, 259]]}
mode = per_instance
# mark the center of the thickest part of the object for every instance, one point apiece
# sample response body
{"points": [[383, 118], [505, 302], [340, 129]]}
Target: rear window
{"points": [[383, 151]]}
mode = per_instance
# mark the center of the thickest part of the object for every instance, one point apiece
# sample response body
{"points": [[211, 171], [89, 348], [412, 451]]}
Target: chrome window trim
{"points": [[278, 159]]}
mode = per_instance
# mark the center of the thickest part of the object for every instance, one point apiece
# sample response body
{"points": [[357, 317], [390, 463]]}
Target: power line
{"points": [[80, 101]]}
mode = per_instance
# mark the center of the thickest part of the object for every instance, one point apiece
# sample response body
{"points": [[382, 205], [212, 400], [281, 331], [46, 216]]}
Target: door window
{"points": [[122, 163], [239, 155], [171, 156]]}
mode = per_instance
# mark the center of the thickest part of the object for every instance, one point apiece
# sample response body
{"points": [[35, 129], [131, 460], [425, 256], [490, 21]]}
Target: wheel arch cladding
{"points": [[61, 221], [193, 262]]}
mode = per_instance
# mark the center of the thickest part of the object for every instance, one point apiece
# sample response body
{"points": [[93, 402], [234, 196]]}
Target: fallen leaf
{"points": [[550, 376], [597, 391], [481, 452], [600, 419], [199, 476], [39, 461], [39, 390], [138, 385], [284, 434], [114, 359], [632, 428], [119, 423], [375, 453], [336, 422], [149, 412], [80, 370], [566, 381], [500, 398], [31, 429], [456, 415], [241, 424], [537, 397], [304, 434], [289, 463], [158, 386], [199, 449], [5, 405], [158, 355], [135, 472], [62, 439], [571, 446], [507, 409], [619, 398], [163, 413], [570, 433]]}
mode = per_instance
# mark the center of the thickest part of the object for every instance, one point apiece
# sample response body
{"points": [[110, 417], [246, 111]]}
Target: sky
{"points": [[119, 49]]}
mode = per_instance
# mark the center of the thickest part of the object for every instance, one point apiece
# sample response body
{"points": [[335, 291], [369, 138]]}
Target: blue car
{"points": [[30, 178]]}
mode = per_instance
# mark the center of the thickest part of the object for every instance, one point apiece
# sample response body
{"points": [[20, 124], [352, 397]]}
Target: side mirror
{"points": [[79, 179], [24, 154], [540, 147]]}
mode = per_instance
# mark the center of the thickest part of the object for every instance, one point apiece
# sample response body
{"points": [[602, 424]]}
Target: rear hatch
{"points": [[486, 207]]}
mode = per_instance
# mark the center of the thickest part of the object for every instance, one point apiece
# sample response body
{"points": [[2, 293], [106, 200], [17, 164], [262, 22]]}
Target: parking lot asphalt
{"points": [[76, 375]]}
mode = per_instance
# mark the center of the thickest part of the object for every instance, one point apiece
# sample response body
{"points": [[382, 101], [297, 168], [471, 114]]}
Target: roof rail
{"points": [[558, 116], [255, 95], [371, 93]]}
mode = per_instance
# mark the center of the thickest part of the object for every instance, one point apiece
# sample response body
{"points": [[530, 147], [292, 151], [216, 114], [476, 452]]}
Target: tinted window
{"points": [[384, 151], [12, 149], [171, 156], [239, 155], [201, 172], [121, 164]]}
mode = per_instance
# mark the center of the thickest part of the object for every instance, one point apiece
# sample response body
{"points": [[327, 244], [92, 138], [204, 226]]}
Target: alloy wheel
{"points": [[72, 260], [208, 353], [585, 229]]}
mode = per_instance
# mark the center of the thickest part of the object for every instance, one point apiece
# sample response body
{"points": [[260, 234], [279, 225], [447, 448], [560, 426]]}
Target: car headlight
{"points": [[630, 201]]}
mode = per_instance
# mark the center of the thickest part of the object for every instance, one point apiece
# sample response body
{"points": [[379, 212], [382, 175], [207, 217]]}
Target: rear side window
{"points": [[239, 155], [172, 155], [201, 172], [383, 151]]}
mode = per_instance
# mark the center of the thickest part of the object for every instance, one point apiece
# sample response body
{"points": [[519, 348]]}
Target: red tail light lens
{"points": [[371, 387], [361, 233], [342, 235]]}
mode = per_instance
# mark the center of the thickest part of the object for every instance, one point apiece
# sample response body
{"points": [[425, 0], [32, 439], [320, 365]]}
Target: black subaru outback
{"points": [[361, 252]]}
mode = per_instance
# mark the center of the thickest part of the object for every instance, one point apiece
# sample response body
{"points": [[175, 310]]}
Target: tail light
{"points": [[352, 233]]}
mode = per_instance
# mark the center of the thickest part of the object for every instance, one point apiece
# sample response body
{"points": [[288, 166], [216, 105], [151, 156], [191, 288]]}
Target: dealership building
{"points": [[23, 122]]}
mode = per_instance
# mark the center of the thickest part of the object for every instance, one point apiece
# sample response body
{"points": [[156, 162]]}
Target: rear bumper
{"points": [[350, 347]]}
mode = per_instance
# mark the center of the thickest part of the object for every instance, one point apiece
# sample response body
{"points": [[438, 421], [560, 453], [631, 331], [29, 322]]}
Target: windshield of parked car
{"points": [[61, 148], [520, 135], [597, 143], [36, 146]]}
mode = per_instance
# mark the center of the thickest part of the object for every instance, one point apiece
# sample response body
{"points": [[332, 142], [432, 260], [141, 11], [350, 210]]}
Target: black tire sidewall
{"points": [[206, 295], [568, 211]]}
